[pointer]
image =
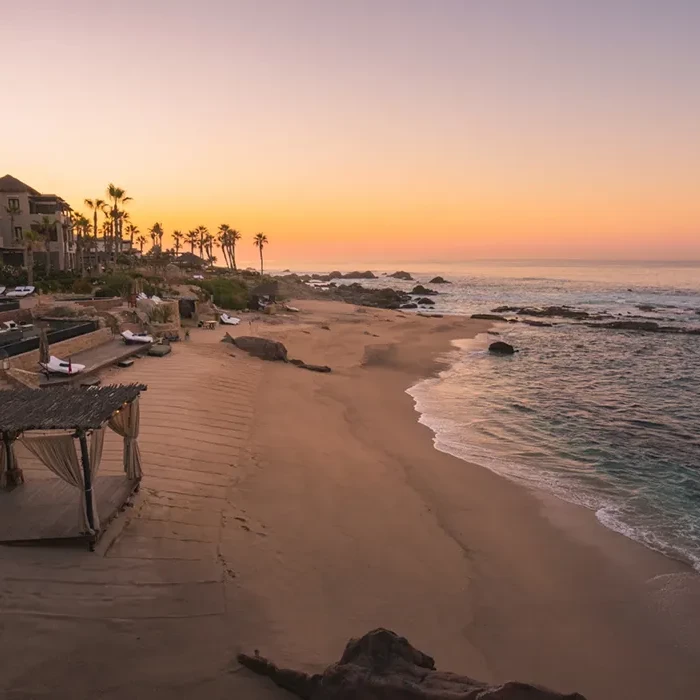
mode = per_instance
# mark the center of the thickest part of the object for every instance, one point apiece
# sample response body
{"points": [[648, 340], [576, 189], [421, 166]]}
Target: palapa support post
{"points": [[13, 475], [87, 479]]}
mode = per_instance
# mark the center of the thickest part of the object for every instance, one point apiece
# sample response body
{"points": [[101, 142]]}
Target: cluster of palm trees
{"points": [[201, 239], [110, 224]]}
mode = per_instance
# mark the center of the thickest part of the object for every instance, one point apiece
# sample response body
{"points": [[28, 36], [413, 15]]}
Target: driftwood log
{"points": [[383, 666]]}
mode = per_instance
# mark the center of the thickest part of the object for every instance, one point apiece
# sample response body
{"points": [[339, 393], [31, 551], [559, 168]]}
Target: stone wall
{"points": [[29, 361], [101, 304]]}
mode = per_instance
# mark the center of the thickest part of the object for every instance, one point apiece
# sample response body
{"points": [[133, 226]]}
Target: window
{"points": [[13, 203], [18, 234]]}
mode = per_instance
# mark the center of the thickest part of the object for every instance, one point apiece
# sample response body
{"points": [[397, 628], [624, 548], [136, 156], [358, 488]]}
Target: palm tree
{"points": [[177, 239], [12, 212], [156, 232], [133, 232], [96, 205], [223, 241], [209, 241], [118, 196], [82, 227], [32, 241], [234, 237], [192, 238], [202, 233], [45, 227], [141, 240], [260, 241]]}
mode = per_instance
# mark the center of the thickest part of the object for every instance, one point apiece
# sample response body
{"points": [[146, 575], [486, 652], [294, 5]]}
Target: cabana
{"points": [[64, 428]]}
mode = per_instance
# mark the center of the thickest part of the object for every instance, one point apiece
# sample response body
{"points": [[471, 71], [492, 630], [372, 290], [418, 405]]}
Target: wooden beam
{"points": [[87, 479]]}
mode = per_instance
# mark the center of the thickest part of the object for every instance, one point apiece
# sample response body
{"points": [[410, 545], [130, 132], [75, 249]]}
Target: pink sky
{"points": [[446, 129]]}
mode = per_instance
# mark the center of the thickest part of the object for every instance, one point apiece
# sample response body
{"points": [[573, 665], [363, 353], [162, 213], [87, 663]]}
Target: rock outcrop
{"points": [[388, 298], [263, 348], [424, 301], [439, 280], [488, 317], [423, 291], [367, 275], [501, 348], [401, 275], [383, 666]]}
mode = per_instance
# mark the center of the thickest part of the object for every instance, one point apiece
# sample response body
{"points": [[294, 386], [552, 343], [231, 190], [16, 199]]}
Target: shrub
{"points": [[226, 293], [12, 276], [114, 285], [161, 313], [82, 286]]}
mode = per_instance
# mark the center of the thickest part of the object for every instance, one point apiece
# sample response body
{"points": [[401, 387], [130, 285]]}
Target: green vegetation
{"points": [[226, 293]]}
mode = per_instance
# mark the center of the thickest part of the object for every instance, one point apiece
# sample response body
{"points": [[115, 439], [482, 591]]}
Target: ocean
{"points": [[608, 419]]}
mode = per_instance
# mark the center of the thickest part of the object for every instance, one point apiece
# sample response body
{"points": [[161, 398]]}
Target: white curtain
{"points": [[125, 422], [57, 451]]}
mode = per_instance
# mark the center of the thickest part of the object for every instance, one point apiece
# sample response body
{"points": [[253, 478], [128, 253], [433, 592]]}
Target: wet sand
{"points": [[286, 511]]}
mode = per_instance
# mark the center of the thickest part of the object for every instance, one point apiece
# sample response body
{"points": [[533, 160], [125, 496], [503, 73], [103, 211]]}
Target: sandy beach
{"points": [[286, 511]]}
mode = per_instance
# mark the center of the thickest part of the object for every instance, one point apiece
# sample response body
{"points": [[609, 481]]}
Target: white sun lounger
{"points": [[20, 292], [2, 290], [229, 320], [131, 337], [57, 366]]}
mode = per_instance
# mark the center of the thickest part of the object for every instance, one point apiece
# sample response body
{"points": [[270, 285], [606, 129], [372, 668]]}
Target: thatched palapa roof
{"points": [[63, 408]]}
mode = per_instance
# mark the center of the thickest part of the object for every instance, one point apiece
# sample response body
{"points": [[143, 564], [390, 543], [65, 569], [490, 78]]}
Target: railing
{"points": [[57, 336]]}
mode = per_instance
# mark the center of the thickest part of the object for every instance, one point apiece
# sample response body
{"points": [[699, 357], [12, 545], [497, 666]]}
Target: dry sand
{"points": [[287, 511]]}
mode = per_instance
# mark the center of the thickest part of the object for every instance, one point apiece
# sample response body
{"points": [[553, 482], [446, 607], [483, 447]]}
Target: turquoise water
{"points": [[605, 418]]}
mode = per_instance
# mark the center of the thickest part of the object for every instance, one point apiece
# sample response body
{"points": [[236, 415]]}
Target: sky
{"points": [[380, 130]]}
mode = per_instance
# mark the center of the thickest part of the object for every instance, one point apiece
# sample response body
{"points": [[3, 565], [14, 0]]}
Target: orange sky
{"points": [[373, 130]]}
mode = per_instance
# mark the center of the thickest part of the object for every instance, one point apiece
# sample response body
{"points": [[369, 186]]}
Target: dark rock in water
{"points": [[356, 294], [439, 280], [541, 324], [425, 302], [383, 666], [367, 275], [645, 307], [410, 305], [423, 291], [650, 326], [326, 328], [263, 348], [501, 348], [562, 311], [505, 309], [335, 275], [493, 332], [401, 275], [488, 317]]}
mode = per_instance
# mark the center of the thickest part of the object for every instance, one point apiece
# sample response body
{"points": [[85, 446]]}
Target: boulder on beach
{"points": [[410, 305], [401, 275], [501, 348], [383, 666], [423, 291], [424, 301], [439, 280], [263, 348]]}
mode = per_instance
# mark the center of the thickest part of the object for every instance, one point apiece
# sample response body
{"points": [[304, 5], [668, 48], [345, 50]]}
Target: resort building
{"points": [[22, 208]]}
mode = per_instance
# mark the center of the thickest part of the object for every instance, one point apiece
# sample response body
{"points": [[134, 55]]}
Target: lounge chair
{"points": [[57, 366], [2, 290], [131, 338], [156, 299], [141, 295], [229, 320], [21, 292]]}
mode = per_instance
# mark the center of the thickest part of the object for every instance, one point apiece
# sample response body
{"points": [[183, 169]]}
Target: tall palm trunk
{"points": [[262, 272], [233, 256], [29, 264]]}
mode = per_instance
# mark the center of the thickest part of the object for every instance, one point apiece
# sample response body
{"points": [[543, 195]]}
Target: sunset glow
{"points": [[372, 129]]}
